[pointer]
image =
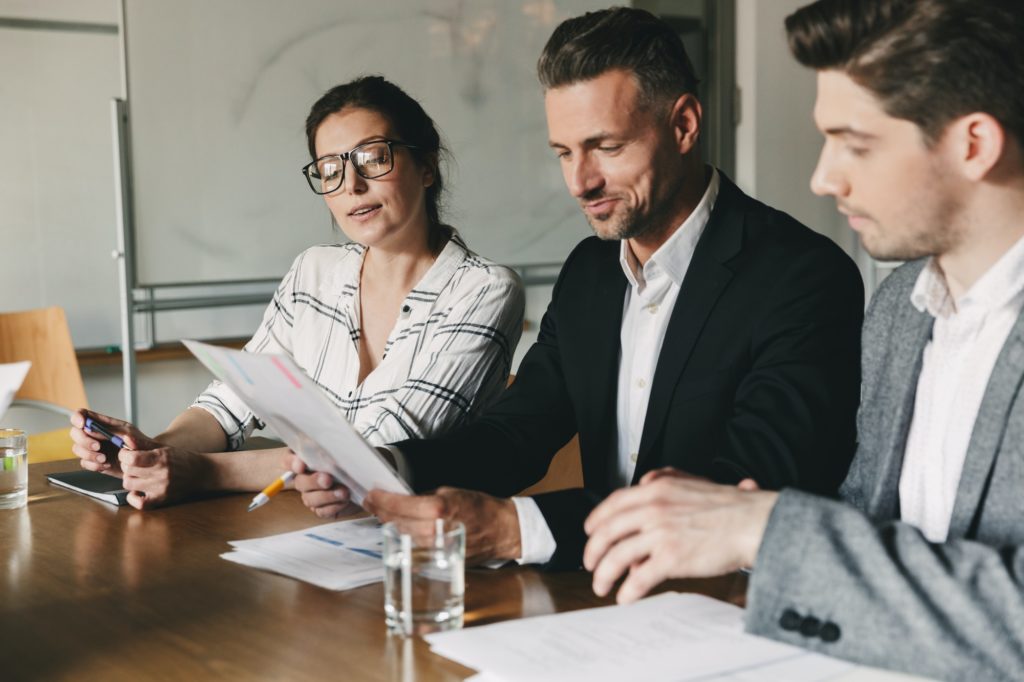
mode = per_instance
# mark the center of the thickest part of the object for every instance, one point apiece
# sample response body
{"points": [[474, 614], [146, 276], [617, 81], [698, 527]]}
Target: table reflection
{"points": [[137, 543]]}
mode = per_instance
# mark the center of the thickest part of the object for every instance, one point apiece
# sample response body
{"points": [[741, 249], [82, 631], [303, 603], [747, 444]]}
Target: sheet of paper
{"points": [[276, 389], [335, 556], [671, 636], [11, 376]]}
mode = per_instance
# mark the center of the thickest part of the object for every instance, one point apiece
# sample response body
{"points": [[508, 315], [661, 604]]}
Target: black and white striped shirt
{"points": [[447, 358]]}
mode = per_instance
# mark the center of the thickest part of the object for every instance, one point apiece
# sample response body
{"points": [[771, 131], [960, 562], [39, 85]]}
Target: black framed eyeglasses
{"points": [[371, 160]]}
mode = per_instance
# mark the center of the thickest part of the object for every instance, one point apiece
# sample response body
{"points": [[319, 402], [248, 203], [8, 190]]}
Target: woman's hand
{"points": [[324, 496], [163, 474], [153, 473], [95, 450]]}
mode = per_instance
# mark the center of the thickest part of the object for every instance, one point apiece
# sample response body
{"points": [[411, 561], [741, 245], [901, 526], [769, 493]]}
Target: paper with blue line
{"points": [[276, 389], [336, 556]]}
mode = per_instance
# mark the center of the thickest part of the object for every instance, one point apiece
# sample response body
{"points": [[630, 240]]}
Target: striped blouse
{"points": [[447, 358]]}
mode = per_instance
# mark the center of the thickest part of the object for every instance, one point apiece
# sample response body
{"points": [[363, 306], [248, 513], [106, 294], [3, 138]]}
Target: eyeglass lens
{"points": [[370, 160]]}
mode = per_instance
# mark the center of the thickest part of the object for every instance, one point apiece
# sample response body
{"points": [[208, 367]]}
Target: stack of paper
{"points": [[672, 636], [336, 556]]}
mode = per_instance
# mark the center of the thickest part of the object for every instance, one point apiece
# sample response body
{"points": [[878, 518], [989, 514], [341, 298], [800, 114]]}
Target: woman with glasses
{"points": [[406, 331]]}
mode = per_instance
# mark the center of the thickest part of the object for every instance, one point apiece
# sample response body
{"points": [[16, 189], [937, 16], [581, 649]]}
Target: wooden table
{"points": [[92, 592]]}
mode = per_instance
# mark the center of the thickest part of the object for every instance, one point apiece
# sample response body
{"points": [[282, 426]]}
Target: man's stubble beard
{"points": [[633, 224]]}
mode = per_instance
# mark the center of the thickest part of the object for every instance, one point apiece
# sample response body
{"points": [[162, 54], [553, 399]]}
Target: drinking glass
{"points": [[13, 469], [424, 577]]}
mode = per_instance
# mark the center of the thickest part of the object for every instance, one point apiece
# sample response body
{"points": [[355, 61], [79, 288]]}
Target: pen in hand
{"points": [[94, 426], [271, 490]]}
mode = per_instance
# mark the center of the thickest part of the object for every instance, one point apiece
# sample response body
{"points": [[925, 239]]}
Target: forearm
{"points": [[196, 430], [245, 470], [961, 601]]}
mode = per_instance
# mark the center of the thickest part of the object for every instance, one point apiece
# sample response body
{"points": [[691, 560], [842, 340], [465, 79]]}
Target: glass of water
{"points": [[424, 577], [13, 469]]}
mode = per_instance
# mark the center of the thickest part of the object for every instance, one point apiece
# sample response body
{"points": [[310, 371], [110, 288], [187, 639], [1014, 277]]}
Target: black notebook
{"points": [[93, 484]]}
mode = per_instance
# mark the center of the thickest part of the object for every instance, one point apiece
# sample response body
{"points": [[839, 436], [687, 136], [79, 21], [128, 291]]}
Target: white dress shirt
{"points": [[446, 359], [966, 340], [649, 301]]}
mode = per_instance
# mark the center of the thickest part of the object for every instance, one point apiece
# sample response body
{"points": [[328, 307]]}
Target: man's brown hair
{"points": [[926, 61]]}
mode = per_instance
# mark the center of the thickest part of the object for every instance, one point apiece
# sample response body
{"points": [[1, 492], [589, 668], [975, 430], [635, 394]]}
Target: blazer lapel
{"points": [[906, 346], [705, 280], [1000, 394], [603, 325]]}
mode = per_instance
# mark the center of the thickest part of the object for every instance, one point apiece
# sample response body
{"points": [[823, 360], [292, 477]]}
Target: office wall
{"points": [[777, 144]]}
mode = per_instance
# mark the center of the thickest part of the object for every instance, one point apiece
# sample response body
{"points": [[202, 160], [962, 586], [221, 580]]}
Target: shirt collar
{"points": [[675, 254], [1003, 281], [346, 275]]}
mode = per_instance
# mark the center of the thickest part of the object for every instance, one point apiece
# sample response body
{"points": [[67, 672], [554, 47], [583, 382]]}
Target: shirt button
{"points": [[640, 383], [652, 308], [632, 457], [830, 632], [790, 620], [810, 627]]}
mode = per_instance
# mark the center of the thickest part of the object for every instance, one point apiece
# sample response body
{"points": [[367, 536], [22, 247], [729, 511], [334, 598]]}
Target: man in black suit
{"points": [[700, 329]]}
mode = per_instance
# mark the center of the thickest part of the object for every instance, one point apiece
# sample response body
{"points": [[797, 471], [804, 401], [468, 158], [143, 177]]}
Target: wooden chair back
{"points": [[565, 470], [42, 336]]}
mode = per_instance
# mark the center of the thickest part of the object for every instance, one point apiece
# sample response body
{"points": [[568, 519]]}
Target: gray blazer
{"points": [[851, 580]]}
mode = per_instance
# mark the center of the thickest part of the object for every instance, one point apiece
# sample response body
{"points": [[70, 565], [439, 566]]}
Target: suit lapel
{"points": [[1000, 394], [705, 280], [906, 345], [603, 324]]}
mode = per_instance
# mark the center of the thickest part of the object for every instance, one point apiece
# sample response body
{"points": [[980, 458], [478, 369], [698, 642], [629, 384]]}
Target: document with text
{"points": [[11, 377], [335, 556], [283, 396], [672, 636]]}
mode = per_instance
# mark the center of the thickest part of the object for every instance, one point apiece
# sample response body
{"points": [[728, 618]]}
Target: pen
{"points": [[94, 426], [271, 490]]}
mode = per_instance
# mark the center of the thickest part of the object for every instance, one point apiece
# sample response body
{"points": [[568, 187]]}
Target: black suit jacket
{"points": [[758, 374]]}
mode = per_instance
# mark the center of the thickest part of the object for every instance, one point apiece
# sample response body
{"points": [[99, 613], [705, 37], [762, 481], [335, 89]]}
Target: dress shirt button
{"points": [[790, 620], [652, 308], [810, 627], [830, 632], [640, 383], [632, 457]]}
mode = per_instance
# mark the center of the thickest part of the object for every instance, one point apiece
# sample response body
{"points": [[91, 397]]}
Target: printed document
{"points": [[671, 636], [335, 556], [277, 389], [11, 376]]}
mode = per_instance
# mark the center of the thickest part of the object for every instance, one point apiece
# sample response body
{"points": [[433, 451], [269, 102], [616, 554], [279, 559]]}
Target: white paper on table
{"points": [[671, 636], [335, 556], [11, 377], [277, 389]]}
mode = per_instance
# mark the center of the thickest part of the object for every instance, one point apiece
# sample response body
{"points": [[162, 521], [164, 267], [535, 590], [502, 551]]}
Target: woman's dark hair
{"points": [[410, 123], [927, 61], [585, 47]]}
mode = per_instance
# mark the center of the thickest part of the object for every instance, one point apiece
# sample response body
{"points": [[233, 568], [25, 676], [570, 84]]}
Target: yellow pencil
{"points": [[271, 490]]}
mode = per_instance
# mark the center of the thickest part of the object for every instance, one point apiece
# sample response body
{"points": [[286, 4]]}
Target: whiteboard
{"points": [[218, 93]]}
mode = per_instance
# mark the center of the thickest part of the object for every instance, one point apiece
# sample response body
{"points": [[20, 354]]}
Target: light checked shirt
{"points": [[446, 359]]}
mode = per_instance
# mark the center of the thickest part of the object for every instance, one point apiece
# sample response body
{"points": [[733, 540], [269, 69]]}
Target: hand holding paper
{"points": [[279, 391], [323, 495]]}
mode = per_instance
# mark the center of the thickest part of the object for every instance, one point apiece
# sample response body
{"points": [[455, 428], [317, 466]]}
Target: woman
{"points": [[407, 331]]}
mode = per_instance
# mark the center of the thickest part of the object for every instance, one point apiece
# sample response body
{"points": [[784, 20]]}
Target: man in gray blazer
{"points": [[920, 567]]}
